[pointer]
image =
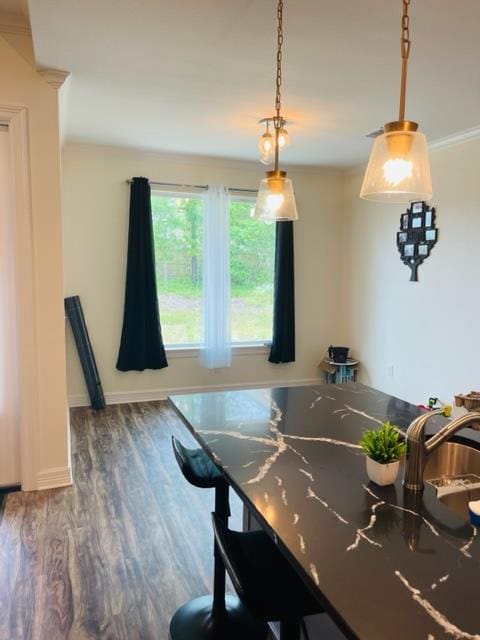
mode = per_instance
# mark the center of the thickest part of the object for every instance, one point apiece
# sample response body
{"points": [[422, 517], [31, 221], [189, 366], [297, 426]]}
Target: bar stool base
{"points": [[193, 621]]}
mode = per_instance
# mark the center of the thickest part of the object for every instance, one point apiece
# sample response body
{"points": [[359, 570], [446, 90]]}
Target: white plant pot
{"points": [[382, 474]]}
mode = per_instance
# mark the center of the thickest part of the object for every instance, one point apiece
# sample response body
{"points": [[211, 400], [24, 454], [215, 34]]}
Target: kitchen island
{"points": [[385, 563]]}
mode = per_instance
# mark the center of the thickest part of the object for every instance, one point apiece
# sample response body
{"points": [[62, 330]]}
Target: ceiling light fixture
{"points": [[399, 169], [275, 200], [266, 143]]}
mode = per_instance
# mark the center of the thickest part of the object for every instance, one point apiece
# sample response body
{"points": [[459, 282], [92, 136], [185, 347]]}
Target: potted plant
{"points": [[383, 448]]}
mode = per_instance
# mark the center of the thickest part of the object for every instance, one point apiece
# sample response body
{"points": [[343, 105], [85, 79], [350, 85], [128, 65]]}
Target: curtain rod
{"points": [[204, 187]]}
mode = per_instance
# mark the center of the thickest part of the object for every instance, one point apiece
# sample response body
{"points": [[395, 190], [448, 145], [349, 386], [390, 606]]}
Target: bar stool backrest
{"points": [[196, 466]]}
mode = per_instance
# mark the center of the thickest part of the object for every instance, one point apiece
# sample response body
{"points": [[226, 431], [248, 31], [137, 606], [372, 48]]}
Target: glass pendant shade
{"points": [[399, 169], [266, 148], [276, 199], [283, 138]]}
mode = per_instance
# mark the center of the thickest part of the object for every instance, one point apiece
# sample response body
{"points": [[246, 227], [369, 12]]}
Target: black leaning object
{"points": [[73, 309]]}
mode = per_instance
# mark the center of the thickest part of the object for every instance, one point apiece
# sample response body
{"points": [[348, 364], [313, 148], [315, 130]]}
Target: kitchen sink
{"points": [[458, 502], [454, 470]]}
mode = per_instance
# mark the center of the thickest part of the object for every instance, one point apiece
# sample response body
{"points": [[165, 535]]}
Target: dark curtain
{"points": [[141, 346], [283, 343]]}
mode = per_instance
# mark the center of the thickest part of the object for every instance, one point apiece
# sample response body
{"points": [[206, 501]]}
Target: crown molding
{"points": [[456, 138], [199, 160], [54, 77], [15, 29], [214, 161], [171, 157]]}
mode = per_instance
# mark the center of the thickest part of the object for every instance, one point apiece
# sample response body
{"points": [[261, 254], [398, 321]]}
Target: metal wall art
{"points": [[417, 236]]}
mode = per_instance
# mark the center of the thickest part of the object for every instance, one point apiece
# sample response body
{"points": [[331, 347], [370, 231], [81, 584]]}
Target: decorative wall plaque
{"points": [[417, 236]]}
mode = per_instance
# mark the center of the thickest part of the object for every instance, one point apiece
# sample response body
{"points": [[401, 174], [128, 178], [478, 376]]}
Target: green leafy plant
{"points": [[383, 445]]}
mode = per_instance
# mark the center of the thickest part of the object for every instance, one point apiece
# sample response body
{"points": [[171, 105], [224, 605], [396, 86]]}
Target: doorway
{"points": [[9, 388]]}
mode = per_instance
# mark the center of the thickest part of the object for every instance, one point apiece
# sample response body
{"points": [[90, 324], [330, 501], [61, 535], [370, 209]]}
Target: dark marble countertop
{"points": [[387, 564]]}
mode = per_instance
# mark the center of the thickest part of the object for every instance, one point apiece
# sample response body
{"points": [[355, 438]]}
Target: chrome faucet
{"points": [[418, 449]]}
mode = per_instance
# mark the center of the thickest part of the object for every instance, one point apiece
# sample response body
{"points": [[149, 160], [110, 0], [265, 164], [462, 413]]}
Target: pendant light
{"points": [[276, 200], [266, 143], [399, 170]]}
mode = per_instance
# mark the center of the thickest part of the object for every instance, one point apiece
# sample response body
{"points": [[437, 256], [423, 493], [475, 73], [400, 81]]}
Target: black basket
{"points": [[338, 354]]}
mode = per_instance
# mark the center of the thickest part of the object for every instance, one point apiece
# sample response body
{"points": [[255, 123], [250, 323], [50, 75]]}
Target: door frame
{"points": [[16, 118]]}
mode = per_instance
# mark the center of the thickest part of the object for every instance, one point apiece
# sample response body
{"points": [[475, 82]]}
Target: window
{"points": [[178, 235], [252, 257]]}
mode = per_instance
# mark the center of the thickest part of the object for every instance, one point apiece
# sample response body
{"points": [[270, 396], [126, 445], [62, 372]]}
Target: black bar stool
{"points": [[264, 579], [219, 617]]}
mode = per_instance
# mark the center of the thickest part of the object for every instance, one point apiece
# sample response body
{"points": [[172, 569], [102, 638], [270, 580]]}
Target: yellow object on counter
{"points": [[447, 410]]}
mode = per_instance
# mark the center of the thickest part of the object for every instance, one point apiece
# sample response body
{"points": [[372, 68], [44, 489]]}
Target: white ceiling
{"points": [[194, 76]]}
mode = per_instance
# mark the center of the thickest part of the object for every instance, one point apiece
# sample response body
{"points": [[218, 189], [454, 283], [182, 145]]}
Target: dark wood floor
{"points": [[113, 556]]}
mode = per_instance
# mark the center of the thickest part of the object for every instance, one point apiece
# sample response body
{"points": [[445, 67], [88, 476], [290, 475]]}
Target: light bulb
{"points": [[283, 138], [265, 144], [274, 201], [266, 158], [265, 147], [396, 170]]}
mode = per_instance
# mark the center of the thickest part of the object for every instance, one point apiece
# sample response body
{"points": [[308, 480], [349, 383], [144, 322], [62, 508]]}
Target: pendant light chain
{"points": [[277, 122], [405, 45], [278, 96]]}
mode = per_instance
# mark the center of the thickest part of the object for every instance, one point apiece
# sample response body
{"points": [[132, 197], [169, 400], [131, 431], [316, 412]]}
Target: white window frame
{"points": [[193, 349]]}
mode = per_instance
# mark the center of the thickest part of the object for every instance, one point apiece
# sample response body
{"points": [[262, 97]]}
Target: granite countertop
{"points": [[387, 564]]}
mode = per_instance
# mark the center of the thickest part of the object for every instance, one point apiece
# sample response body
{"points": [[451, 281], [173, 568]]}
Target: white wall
{"points": [[21, 86], [95, 211], [427, 331]]}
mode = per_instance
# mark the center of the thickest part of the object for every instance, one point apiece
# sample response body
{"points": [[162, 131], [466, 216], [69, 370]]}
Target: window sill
{"points": [[237, 350]]}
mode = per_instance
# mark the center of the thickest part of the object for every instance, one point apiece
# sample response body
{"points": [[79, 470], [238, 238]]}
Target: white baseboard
{"points": [[121, 397], [54, 478]]}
